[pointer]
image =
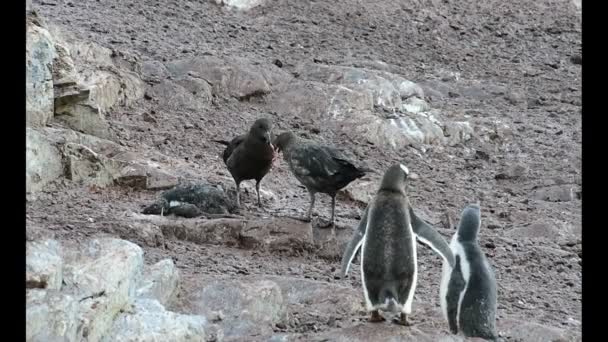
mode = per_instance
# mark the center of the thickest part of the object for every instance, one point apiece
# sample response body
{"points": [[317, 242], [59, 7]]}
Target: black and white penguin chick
{"points": [[468, 289], [250, 156], [319, 168], [387, 237]]}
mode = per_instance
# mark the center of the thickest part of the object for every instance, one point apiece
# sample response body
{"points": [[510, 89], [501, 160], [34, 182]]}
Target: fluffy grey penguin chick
{"points": [[468, 288], [387, 237]]}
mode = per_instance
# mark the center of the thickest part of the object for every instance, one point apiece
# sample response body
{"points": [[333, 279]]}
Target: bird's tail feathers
{"points": [[223, 142]]}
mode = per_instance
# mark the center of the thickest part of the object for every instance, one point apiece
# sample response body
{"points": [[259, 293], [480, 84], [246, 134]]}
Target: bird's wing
{"points": [[232, 145], [456, 285], [313, 161], [354, 244], [429, 236]]}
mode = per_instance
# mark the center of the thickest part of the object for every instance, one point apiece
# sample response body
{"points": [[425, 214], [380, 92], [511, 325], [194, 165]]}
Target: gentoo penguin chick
{"points": [[250, 156], [319, 168], [468, 289], [387, 237]]}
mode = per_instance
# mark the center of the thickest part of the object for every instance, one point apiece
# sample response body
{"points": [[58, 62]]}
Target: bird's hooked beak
{"points": [[267, 138]]}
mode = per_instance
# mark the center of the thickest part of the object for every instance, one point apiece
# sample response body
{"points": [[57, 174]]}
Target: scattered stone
{"points": [[539, 230], [240, 4], [516, 171], [557, 193], [43, 265], [576, 59]]}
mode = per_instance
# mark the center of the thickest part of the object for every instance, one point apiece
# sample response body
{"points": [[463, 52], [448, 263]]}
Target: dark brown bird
{"points": [[319, 168], [250, 156]]}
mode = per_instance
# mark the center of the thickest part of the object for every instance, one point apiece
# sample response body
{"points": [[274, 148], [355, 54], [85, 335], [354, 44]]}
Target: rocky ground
{"points": [[481, 100]]}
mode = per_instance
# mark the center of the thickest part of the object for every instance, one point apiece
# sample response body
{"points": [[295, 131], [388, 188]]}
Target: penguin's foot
{"points": [[402, 320], [376, 317]]}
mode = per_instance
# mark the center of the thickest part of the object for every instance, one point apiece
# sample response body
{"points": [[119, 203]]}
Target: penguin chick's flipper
{"points": [[455, 288], [354, 244], [429, 236]]}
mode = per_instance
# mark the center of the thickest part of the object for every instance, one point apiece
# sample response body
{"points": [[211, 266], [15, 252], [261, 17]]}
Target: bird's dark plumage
{"points": [[250, 156], [319, 168]]}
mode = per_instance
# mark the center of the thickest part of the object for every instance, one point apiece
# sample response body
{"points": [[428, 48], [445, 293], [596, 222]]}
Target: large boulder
{"points": [[50, 316], [90, 81], [43, 160], [43, 264], [247, 306], [159, 281], [103, 274], [148, 321], [370, 105], [39, 55], [233, 77]]}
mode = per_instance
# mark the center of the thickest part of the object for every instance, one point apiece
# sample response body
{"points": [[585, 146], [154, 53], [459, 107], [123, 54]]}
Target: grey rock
{"points": [[516, 171], [148, 321], [103, 275], [240, 4], [280, 235], [39, 55], [367, 105], [533, 332], [318, 296], [249, 306], [85, 166], [557, 193], [159, 281], [378, 332], [216, 231], [234, 77], [170, 94], [43, 161], [43, 265], [83, 117], [50, 316]]}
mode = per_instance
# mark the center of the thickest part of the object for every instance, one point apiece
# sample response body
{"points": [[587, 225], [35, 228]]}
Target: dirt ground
{"points": [[532, 49]]}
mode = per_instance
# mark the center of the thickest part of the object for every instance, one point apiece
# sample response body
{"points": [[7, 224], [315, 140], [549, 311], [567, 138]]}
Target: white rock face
{"points": [[240, 4], [368, 105], [149, 322], [159, 281], [50, 316], [43, 265], [43, 161], [104, 274], [39, 55]]}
